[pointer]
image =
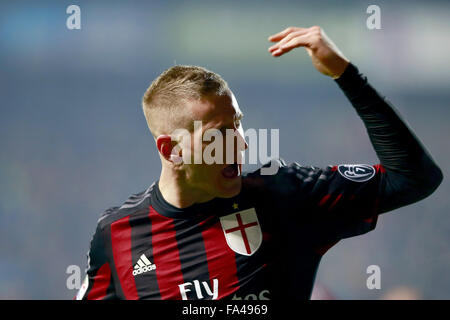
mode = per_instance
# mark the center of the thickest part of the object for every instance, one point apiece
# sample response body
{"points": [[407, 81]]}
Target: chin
{"points": [[230, 188]]}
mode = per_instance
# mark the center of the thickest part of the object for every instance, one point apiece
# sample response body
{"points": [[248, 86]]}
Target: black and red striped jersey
{"points": [[264, 243]]}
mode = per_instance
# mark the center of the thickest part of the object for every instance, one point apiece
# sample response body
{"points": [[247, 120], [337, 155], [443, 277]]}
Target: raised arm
{"points": [[410, 172]]}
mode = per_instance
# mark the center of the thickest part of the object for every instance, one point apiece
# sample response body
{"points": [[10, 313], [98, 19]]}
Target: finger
{"points": [[283, 41], [291, 35], [282, 34], [301, 41], [286, 39]]}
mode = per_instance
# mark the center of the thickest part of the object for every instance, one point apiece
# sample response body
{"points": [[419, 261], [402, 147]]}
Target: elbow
{"points": [[430, 181], [408, 189], [438, 177]]}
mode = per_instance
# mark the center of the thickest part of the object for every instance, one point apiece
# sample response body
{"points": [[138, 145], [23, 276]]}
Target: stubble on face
{"points": [[218, 180]]}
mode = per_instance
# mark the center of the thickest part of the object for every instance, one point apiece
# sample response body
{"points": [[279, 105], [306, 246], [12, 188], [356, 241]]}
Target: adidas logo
{"points": [[143, 265]]}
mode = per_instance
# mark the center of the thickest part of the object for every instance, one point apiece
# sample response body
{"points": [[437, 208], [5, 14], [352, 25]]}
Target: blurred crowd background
{"points": [[73, 139]]}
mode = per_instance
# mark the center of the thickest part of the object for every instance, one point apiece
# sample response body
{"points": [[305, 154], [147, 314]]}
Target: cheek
{"points": [[191, 146], [211, 172]]}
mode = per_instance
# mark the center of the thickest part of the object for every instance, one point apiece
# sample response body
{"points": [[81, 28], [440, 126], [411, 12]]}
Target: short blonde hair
{"points": [[164, 101]]}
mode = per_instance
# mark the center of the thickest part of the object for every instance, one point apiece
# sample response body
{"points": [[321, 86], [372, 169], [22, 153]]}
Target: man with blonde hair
{"points": [[205, 230]]}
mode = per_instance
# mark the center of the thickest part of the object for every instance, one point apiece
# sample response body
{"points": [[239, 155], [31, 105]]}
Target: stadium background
{"points": [[74, 140]]}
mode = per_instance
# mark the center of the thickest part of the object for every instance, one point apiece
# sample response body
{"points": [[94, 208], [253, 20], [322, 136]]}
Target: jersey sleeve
{"points": [[338, 201], [322, 205], [343, 200], [98, 282]]}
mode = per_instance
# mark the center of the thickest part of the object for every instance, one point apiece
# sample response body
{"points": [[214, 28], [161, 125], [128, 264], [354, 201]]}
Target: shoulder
{"points": [[279, 175], [135, 203], [278, 167]]}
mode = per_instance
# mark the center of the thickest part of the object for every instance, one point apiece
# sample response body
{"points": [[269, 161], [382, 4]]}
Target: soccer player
{"points": [[208, 231]]}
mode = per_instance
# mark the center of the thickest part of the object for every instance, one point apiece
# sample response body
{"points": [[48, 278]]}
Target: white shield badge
{"points": [[242, 231]]}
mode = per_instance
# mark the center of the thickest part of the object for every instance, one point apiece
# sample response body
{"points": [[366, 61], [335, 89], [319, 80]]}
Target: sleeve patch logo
{"points": [[356, 172]]}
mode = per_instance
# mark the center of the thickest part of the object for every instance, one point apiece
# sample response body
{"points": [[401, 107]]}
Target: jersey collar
{"points": [[198, 210]]}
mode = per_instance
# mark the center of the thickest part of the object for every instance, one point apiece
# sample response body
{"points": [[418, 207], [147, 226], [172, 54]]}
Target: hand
{"points": [[324, 54]]}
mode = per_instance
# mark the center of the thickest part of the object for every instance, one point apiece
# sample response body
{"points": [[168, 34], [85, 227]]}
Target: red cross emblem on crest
{"points": [[242, 231]]}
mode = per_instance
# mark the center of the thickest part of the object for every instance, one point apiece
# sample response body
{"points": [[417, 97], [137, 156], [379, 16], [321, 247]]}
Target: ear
{"points": [[164, 145], [167, 150]]}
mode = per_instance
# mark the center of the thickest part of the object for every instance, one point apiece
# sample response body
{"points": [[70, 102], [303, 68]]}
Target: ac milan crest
{"points": [[242, 231]]}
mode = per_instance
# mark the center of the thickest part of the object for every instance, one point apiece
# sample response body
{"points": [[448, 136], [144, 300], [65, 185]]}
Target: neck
{"points": [[176, 191]]}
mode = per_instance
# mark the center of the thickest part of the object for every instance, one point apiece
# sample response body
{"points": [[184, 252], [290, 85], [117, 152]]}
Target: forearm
{"points": [[411, 173]]}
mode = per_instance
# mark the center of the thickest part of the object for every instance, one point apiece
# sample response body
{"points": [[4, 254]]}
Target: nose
{"points": [[234, 147], [241, 141], [242, 145]]}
